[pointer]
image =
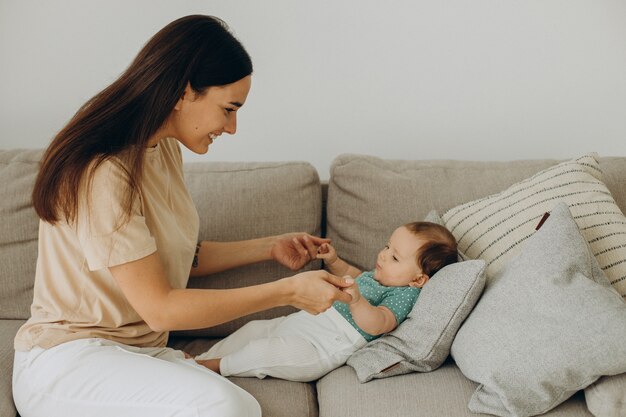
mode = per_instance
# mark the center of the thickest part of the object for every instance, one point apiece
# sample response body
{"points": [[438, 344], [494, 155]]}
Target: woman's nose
{"points": [[231, 124]]}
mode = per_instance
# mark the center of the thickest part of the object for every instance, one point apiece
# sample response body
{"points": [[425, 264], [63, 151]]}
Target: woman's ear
{"points": [[419, 281], [186, 95]]}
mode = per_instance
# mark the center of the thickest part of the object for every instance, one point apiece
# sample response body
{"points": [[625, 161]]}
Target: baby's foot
{"points": [[212, 364]]}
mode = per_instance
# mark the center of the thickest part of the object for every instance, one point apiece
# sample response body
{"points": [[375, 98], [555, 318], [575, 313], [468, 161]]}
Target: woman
{"points": [[117, 243]]}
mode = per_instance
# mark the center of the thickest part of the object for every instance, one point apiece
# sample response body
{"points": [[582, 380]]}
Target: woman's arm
{"points": [[164, 308], [215, 257], [292, 250]]}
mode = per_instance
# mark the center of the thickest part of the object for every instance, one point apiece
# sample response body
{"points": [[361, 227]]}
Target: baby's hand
{"points": [[354, 292], [327, 253]]}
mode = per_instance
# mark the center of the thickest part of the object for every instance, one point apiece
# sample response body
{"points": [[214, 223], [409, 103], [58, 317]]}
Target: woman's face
{"points": [[197, 120]]}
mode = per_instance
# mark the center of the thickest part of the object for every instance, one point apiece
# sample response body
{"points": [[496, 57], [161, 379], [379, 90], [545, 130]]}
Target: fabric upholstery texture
{"points": [[444, 392], [368, 197], [494, 227], [246, 200], [8, 329], [547, 325], [278, 398], [607, 396], [422, 342], [19, 231]]}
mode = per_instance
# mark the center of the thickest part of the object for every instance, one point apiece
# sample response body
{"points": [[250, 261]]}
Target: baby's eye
{"points": [[395, 259]]}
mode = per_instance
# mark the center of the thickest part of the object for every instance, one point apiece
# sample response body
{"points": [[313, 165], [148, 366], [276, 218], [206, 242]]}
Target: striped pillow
{"points": [[492, 228]]}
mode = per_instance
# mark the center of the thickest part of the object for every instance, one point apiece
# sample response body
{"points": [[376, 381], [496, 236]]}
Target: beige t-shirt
{"points": [[75, 295]]}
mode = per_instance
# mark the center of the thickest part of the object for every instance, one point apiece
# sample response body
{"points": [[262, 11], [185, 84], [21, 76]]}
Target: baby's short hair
{"points": [[439, 248]]}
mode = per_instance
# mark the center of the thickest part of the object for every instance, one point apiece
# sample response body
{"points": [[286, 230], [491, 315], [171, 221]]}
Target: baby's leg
{"points": [[287, 357], [257, 329]]}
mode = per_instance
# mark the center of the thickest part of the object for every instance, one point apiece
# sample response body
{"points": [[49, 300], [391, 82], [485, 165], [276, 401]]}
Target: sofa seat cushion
{"points": [[278, 398], [8, 329], [443, 392]]}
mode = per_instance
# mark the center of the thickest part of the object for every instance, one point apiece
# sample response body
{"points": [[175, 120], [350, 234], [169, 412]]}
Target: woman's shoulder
{"points": [[114, 173], [103, 182]]}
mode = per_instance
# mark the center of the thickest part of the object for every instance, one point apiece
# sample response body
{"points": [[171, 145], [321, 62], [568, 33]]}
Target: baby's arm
{"points": [[371, 319], [336, 265]]}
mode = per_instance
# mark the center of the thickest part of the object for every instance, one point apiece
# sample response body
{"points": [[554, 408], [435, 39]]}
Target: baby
{"points": [[304, 347]]}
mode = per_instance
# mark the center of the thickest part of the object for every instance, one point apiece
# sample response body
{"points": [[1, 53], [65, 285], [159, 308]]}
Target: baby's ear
{"points": [[419, 281]]}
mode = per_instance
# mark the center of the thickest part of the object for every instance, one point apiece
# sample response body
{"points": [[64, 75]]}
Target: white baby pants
{"points": [[101, 378], [299, 347]]}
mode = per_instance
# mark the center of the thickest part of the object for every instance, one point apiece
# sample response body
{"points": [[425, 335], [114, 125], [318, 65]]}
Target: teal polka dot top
{"points": [[399, 300]]}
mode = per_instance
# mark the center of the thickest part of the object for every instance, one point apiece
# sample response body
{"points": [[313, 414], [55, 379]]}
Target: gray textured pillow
{"points": [[547, 325], [607, 396], [422, 342]]}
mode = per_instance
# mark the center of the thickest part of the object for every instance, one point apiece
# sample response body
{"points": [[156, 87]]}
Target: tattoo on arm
{"points": [[195, 256]]}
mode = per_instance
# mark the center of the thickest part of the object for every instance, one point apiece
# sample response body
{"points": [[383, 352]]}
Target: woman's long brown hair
{"points": [[119, 121]]}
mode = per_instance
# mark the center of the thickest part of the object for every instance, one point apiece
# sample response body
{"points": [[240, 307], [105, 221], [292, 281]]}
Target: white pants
{"points": [[101, 378], [299, 347]]}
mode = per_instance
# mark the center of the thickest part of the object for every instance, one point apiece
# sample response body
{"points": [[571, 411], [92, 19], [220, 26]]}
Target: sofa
{"points": [[364, 199]]}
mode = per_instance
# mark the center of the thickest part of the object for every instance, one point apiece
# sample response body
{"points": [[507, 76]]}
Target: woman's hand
{"points": [[316, 291], [295, 250], [354, 292]]}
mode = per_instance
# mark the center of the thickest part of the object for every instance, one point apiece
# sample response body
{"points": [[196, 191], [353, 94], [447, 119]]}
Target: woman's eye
{"points": [[229, 110]]}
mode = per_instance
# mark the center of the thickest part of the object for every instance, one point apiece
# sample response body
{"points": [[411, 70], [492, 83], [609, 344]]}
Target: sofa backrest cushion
{"points": [[494, 228], [245, 200], [369, 197], [235, 201], [18, 232]]}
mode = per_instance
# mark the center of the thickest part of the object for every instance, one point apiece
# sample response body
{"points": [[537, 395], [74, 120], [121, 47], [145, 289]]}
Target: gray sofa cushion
{"points": [[278, 398], [494, 228], [8, 329], [444, 392], [422, 342], [369, 197], [547, 326], [18, 232], [245, 200]]}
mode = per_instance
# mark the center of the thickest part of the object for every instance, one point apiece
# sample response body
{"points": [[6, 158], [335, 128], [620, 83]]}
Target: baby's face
{"points": [[396, 265]]}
